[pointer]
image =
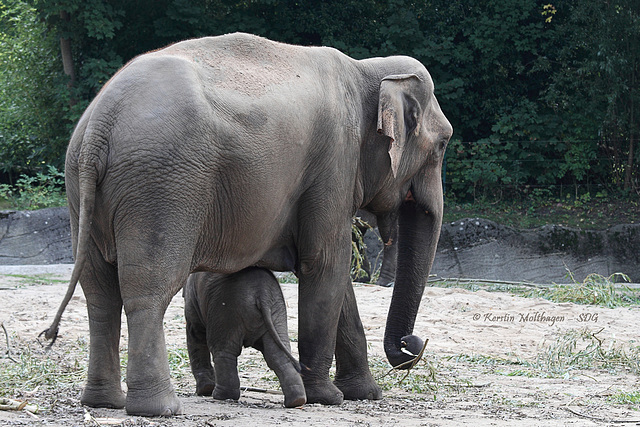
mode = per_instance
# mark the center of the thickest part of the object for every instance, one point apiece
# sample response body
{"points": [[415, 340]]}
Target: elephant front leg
{"points": [[99, 283], [323, 275], [353, 376]]}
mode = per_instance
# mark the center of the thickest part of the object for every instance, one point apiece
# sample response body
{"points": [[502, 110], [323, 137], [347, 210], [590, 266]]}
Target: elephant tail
{"points": [[266, 314], [87, 180]]}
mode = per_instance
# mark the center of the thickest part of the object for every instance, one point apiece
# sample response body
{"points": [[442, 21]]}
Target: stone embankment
{"points": [[470, 248]]}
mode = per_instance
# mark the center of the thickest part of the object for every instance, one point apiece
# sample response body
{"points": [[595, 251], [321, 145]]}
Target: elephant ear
{"points": [[398, 113]]}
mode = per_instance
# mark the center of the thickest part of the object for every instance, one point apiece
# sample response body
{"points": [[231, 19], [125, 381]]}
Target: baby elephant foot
{"points": [[144, 403], [324, 393], [204, 384], [295, 396], [361, 387], [103, 397], [224, 393]]}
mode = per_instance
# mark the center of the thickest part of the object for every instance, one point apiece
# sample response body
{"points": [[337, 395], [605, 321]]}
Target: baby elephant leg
{"points": [[200, 360], [199, 355], [287, 372], [227, 380]]}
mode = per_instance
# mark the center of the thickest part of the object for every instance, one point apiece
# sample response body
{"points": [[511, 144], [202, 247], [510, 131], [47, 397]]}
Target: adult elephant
{"points": [[220, 153]]}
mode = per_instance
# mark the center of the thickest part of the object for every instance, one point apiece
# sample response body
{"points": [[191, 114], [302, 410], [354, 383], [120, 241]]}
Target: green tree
{"points": [[538, 94], [29, 100], [596, 88]]}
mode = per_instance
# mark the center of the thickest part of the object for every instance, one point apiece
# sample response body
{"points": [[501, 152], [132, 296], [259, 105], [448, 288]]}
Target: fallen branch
{"points": [[599, 418], [261, 390], [453, 385], [17, 405], [6, 335], [91, 420], [411, 363]]}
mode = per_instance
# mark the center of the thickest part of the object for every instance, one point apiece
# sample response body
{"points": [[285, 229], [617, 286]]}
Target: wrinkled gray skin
{"points": [[225, 313], [221, 153], [389, 252]]}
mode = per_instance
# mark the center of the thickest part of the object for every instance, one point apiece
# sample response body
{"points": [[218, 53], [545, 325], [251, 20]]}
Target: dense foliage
{"points": [[542, 96]]}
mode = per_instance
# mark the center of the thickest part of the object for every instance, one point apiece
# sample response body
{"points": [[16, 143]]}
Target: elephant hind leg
{"points": [[99, 281], [290, 379], [146, 293], [227, 379]]}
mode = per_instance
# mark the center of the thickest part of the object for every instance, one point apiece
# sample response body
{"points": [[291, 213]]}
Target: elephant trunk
{"points": [[418, 233]]}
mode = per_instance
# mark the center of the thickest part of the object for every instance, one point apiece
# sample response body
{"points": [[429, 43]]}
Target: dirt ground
{"points": [[482, 346]]}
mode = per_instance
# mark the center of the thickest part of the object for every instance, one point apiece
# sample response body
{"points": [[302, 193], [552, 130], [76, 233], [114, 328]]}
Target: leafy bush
{"points": [[32, 94], [358, 248], [43, 190]]}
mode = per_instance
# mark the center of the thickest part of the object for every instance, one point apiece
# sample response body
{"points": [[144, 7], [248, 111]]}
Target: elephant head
{"points": [[416, 133]]}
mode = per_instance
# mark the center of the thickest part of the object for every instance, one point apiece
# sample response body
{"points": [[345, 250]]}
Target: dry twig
{"points": [[411, 363], [600, 418], [261, 390], [17, 405], [6, 335]]}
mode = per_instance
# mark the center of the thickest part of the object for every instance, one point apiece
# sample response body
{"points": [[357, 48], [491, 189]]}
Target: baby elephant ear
{"points": [[398, 112]]}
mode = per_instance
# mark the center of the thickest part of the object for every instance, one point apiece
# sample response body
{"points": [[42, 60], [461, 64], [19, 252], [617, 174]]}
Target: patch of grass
{"points": [[35, 368], [573, 350], [422, 378], [287, 278], [480, 359], [495, 363], [478, 285], [178, 361], [594, 290], [36, 279], [583, 349], [624, 398]]}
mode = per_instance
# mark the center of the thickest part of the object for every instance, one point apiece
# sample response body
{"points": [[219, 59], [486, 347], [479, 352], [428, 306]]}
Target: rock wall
{"points": [[35, 237], [478, 248], [470, 248]]}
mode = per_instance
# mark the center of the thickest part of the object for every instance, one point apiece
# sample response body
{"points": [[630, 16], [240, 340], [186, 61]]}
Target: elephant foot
{"points": [[149, 404], [324, 393], [204, 384], [205, 389], [295, 396], [224, 393], [103, 397], [362, 387]]}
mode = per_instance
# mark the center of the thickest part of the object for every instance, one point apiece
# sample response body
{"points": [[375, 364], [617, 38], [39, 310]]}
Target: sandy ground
{"points": [[475, 342]]}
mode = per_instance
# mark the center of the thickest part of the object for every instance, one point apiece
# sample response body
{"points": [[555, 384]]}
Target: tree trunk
{"points": [[65, 50], [628, 176]]}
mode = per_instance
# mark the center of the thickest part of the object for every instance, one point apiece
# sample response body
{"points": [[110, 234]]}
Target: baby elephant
{"points": [[226, 312]]}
